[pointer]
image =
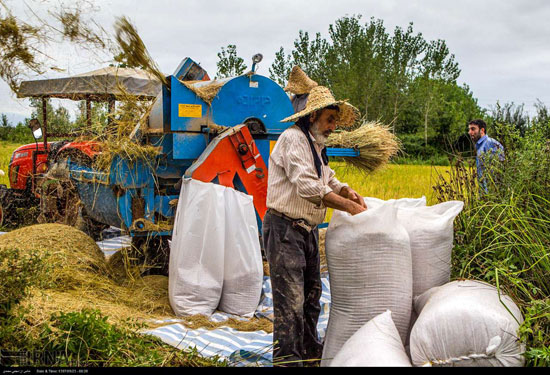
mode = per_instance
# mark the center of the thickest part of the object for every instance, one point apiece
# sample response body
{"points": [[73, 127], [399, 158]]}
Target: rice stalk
{"points": [[375, 143], [133, 49]]}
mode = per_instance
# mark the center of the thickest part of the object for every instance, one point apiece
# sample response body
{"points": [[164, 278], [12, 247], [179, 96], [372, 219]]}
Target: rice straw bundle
{"points": [[376, 145]]}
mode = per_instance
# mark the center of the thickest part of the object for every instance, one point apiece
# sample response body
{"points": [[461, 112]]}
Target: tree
{"points": [[229, 64], [512, 114], [58, 118]]}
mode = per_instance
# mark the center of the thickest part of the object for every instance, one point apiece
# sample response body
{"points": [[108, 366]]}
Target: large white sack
{"points": [[376, 344], [372, 202], [243, 268], [464, 323], [369, 264], [431, 235], [197, 253]]}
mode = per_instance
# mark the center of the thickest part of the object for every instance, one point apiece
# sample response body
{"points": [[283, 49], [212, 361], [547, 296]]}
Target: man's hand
{"points": [[338, 202], [352, 195]]}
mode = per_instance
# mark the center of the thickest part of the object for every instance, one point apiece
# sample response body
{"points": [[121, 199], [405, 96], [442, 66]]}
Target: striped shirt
{"points": [[294, 188]]}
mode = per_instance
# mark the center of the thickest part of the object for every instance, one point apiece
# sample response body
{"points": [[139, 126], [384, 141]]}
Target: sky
{"points": [[502, 48]]}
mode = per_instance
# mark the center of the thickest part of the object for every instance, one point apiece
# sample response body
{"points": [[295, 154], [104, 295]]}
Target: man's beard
{"points": [[319, 137]]}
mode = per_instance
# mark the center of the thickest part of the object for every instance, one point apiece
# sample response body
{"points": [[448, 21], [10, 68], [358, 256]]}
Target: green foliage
{"points": [[398, 78], [229, 64], [18, 272], [503, 234]]}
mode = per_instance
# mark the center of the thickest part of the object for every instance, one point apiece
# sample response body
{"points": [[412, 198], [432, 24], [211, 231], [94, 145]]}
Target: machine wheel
{"points": [[8, 212], [151, 254], [60, 202]]}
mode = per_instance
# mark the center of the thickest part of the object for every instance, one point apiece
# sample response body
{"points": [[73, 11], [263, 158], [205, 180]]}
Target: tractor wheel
{"points": [[60, 202], [8, 212], [151, 254]]}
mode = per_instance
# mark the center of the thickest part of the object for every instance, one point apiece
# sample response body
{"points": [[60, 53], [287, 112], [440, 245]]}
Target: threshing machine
{"points": [[224, 138]]}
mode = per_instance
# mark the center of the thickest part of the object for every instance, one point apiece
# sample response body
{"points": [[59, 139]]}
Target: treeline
{"points": [[59, 120], [397, 78]]}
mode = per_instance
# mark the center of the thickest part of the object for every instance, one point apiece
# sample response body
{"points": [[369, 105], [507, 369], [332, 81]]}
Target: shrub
{"points": [[503, 234]]}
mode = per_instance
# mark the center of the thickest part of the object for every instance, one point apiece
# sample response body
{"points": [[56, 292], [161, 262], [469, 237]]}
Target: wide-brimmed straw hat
{"points": [[321, 97], [298, 82]]}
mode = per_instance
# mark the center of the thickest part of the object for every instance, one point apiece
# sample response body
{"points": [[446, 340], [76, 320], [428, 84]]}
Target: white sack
{"points": [[197, 253], [376, 344], [369, 264], [401, 202], [464, 323], [243, 268], [431, 234]]}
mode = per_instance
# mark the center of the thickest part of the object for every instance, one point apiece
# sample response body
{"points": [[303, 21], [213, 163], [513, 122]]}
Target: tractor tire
{"points": [[8, 211], [60, 202]]}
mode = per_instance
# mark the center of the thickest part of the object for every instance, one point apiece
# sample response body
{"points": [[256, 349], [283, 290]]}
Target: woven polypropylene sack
{"points": [[376, 344], [243, 268], [197, 249], [466, 323], [372, 202], [431, 234], [369, 264]]}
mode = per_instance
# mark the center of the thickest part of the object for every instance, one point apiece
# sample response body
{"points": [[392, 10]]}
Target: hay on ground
{"points": [[70, 257], [376, 145]]}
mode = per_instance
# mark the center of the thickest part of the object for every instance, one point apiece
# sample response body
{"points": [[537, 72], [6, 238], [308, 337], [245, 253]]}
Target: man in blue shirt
{"points": [[477, 130]]}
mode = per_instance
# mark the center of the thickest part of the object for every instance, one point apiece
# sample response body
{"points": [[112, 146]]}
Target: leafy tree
{"points": [[229, 64], [512, 114], [58, 118]]}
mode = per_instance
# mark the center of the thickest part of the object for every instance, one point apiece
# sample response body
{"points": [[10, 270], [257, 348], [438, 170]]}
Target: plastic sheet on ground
{"points": [[240, 348]]}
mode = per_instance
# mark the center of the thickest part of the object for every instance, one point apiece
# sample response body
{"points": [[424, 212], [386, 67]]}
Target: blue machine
{"points": [[136, 195]]}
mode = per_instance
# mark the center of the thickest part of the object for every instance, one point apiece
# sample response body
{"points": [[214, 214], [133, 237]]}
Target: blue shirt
{"points": [[487, 144]]}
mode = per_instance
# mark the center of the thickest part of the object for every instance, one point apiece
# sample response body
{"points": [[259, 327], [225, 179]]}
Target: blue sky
{"points": [[502, 47]]}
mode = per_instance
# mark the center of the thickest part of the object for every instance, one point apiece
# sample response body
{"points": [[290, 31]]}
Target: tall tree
{"points": [[229, 64]]}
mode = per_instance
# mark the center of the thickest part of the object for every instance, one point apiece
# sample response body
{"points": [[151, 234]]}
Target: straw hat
{"points": [[299, 82], [321, 97]]}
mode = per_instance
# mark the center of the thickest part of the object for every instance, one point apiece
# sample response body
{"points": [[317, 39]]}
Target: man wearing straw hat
{"points": [[301, 186]]}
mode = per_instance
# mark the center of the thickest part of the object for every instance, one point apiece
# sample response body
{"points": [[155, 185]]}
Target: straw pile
{"points": [[376, 145], [70, 258], [76, 276]]}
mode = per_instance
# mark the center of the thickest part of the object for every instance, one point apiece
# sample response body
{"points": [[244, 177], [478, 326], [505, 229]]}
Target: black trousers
{"points": [[293, 256]]}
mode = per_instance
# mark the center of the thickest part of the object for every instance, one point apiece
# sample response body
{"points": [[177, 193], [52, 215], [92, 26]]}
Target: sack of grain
{"points": [[197, 252], [431, 234], [243, 268], [402, 202], [376, 344], [369, 263], [465, 323]]}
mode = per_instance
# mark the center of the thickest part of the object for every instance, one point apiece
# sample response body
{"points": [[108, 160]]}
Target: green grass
{"points": [[6, 150]]}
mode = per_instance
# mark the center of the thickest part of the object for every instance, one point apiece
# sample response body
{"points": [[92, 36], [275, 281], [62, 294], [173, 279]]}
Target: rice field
{"points": [[392, 182]]}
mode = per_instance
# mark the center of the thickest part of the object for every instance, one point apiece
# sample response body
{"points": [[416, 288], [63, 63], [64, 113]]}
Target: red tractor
{"points": [[39, 186]]}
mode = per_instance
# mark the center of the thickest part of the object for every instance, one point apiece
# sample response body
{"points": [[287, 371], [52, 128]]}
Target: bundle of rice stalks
{"points": [[376, 145], [69, 257]]}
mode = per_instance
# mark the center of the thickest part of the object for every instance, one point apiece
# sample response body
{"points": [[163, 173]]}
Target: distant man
{"points": [[301, 185], [485, 145]]}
